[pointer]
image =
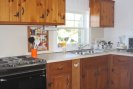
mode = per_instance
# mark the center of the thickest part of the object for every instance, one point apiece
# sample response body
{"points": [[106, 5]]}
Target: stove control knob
{"points": [[3, 80]]}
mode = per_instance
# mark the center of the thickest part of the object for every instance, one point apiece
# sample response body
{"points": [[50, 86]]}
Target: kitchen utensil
{"points": [[31, 40]]}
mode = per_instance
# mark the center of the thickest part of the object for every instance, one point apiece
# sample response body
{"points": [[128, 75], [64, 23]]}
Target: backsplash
{"points": [[13, 39]]}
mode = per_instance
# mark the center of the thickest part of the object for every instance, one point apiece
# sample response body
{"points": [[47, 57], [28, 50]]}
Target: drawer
{"points": [[59, 67]]}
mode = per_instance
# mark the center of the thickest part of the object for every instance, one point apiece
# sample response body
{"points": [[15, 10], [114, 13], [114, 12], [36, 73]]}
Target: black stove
{"points": [[20, 64]]}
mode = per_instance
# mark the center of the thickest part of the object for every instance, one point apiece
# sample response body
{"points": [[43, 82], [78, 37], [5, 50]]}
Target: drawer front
{"points": [[59, 67]]}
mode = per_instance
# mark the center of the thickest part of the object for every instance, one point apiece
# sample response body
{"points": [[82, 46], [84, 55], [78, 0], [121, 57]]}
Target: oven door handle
{"points": [[42, 75], [3, 80]]}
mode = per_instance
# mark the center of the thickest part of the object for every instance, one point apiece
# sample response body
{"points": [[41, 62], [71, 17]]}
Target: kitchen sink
{"points": [[90, 51]]}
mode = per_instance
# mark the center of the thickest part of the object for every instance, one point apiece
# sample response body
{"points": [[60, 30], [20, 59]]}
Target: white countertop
{"points": [[56, 57]]}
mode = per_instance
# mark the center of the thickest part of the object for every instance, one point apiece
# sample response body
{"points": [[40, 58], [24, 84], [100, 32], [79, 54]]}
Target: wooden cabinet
{"points": [[61, 11], [121, 72], [32, 12], [56, 11], [101, 13], [9, 11], [59, 75], [94, 73], [4, 10], [76, 74], [15, 10]]}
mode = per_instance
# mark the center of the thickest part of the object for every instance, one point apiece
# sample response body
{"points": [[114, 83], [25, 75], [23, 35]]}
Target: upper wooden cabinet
{"points": [[32, 12], [101, 13], [4, 10], [55, 11]]}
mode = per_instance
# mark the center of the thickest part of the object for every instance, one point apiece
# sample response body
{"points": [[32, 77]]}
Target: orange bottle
{"points": [[34, 53]]}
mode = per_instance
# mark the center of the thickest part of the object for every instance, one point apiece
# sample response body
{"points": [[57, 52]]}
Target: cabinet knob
{"points": [[76, 64], [22, 10], [17, 14], [50, 84]]}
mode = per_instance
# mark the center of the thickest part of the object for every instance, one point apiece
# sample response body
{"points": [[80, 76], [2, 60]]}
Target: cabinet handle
{"points": [[3, 80], [76, 64], [60, 68], [17, 14], [61, 16], [45, 14], [22, 10], [42, 16], [50, 84]]}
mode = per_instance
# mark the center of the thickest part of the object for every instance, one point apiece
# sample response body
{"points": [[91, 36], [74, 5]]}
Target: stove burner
{"points": [[19, 61]]}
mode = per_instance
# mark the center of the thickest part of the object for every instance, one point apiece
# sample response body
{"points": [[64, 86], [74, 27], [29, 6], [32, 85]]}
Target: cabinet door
{"points": [[41, 11], [52, 10], [94, 73], [15, 10], [102, 79], [59, 75], [4, 10], [107, 13], [31, 11], [61, 11], [121, 73], [88, 73], [60, 81], [89, 77]]}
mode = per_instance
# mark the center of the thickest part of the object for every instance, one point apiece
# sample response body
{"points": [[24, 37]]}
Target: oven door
{"points": [[25, 81]]}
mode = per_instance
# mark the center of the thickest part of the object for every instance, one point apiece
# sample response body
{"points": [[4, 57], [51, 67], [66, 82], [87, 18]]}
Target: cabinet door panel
{"points": [[102, 81], [62, 81], [4, 10], [15, 8], [41, 10], [51, 7], [89, 77], [29, 11], [121, 72], [120, 78], [61, 11]]}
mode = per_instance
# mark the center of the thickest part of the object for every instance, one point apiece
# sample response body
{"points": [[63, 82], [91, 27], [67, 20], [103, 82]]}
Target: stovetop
{"points": [[19, 64], [19, 61]]}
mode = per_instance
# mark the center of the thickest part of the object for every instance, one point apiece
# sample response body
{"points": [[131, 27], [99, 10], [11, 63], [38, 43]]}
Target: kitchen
{"points": [[14, 41]]}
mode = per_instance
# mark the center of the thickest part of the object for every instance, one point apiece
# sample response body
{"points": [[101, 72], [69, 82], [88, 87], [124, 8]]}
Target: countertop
{"points": [[56, 57]]}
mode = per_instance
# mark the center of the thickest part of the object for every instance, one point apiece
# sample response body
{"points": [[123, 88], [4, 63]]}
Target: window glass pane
{"points": [[69, 23], [78, 24], [71, 32], [69, 16], [78, 17], [69, 36]]}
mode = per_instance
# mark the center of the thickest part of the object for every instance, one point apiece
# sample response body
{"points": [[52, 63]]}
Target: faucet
{"points": [[82, 46]]}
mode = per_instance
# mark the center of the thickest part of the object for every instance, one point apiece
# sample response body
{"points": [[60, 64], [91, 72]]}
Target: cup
{"points": [[34, 53]]}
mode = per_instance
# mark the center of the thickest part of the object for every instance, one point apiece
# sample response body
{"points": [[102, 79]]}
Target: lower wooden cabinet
{"points": [[100, 72], [121, 72], [94, 73], [59, 75]]}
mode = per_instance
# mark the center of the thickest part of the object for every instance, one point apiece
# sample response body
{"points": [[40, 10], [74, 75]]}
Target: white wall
{"points": [[123, 21], [77, 5], [13, 40]]}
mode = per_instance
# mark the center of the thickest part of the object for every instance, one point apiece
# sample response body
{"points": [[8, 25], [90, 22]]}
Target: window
{"points": [[74, 31]]}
